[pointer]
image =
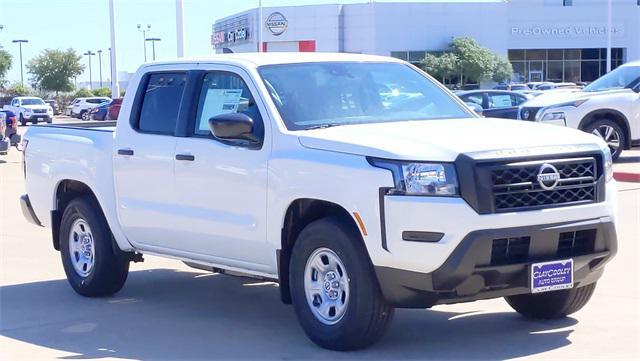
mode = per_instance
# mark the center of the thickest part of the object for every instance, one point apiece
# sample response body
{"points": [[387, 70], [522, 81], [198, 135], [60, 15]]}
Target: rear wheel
{"points": [[94, 266], [611, 133], [334, 289], [551, 305]]}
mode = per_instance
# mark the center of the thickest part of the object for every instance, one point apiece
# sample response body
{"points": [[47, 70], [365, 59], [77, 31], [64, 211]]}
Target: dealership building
{"points": [[550, 40]]}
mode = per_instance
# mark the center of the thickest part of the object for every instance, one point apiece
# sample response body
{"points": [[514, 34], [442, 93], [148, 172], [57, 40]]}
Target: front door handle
{"points": [[187, 157], [125, 151]]}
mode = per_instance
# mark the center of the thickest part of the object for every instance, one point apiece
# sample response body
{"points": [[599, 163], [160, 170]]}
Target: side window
{"points": [[473, 98], [500, 101], [223, 92], [161, 103], [517, 100]]}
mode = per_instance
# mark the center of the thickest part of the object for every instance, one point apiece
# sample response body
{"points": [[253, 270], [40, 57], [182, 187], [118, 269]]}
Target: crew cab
{"points": [[358, 183], [31, 109], [609, 108]]}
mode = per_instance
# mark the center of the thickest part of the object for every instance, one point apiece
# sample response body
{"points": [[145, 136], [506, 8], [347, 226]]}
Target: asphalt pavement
{"points": [[169, 311]]}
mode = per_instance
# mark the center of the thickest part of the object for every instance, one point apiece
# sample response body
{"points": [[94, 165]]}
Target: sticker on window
{"points": [[218, 101]]}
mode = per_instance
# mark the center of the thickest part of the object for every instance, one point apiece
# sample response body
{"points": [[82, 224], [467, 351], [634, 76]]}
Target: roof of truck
{"points": [[258, 59]]}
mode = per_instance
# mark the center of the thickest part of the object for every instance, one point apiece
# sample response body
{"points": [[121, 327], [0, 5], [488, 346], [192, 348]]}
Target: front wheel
{"points": [[551, 305], [23, 121], [611, 133], [93, 265], [334, 290]]}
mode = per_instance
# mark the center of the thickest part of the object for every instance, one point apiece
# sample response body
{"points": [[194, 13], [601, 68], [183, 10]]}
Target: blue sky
{"points": [[84, 25]]}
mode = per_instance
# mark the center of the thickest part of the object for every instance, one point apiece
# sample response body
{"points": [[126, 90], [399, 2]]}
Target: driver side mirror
{"points": [[233, 126]]}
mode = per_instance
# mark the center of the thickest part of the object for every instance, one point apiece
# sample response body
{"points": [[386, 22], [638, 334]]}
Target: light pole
{"points": [[144, 38], [21, 68], [110, 65], [153, 45], [89, 53], [100, 62]]}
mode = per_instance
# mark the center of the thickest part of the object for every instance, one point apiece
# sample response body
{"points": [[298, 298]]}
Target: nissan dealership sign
{"points": [[276, 23]]}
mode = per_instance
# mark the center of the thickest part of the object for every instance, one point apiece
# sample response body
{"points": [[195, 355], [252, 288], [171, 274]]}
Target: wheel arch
{"points": [[613, 115], [65, 191], [298, 215]]}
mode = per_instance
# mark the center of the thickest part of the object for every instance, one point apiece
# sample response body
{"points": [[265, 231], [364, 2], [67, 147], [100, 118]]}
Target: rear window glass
{"points": [[161, 103]]}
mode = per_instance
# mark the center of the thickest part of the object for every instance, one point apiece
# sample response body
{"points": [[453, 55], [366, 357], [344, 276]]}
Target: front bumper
{"points": [[473, 271], [38, 116]]}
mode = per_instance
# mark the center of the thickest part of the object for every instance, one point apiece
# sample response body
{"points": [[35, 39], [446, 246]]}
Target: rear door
{"points": [[144, 160]]}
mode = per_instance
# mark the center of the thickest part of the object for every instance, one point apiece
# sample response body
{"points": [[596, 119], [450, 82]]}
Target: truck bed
{"points": [[105, 126]]}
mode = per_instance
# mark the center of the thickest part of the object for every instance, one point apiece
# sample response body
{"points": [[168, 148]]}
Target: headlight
{"points": [[608, 163], [553, 116], [420, 179]]}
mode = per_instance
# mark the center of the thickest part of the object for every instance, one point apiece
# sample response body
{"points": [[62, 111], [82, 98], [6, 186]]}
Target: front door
{"points": [[221, 186]]}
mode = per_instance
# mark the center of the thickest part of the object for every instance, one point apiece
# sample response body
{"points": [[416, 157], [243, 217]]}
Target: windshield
{"points": [[32, 101], [312, 95], [622, 77]]}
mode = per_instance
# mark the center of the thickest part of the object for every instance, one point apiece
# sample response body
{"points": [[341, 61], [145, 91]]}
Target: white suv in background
{"points": [[609, 108], [81, 106]]}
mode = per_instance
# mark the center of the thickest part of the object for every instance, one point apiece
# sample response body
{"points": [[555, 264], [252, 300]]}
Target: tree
{"points": [[54, 70], [441, 67], [83, 93], [476, 63], [503, 70], [17, 90], [102, 92], [5, 65]]}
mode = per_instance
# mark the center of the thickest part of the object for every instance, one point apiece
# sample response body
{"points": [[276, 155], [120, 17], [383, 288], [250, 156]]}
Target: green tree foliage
{"points": [[503, 70], [53, 70], [5, 65], [83, 93], [476, 63], [17, 90], [102, 92], [441, 66]]}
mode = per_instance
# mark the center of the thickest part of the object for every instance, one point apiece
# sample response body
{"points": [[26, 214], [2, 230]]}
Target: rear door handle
{"points": [[187, 157], [125, 151]]}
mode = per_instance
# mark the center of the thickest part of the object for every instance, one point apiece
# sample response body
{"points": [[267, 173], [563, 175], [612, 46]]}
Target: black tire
{"points": [[551, 305], [110, 265], [367, 314], [82, 115], [599, 124], [23, 121]]}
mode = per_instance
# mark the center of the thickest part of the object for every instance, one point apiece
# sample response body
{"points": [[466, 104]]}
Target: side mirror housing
{"points": [[233, 126]]}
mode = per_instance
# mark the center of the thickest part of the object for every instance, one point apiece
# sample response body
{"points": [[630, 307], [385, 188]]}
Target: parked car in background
{"points": [[83, 105], [54, 105], [114, 109], [550, 86], [533, 84], [358, 183], [11, 128], [100, 112], [30, 109], [495, 103], [4, 142], [69, 108], [511, 87], [609, 107]]}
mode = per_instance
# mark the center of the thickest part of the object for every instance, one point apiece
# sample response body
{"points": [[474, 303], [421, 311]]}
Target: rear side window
{"points": [[161, 103]]}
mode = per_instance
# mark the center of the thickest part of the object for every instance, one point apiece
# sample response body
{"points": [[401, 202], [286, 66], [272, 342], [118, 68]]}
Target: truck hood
{"points": [[559, 97], [32, 107], [441, 140]]}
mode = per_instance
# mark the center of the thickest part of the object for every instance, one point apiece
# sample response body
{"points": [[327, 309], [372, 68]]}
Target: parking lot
{"points": [[169, 311]]}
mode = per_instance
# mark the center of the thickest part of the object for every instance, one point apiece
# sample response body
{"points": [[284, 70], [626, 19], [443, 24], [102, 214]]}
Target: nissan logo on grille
{"points": [[548, 176]]}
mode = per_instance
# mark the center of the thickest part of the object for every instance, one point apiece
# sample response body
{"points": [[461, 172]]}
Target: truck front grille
{"points": [[39, 111], [517, 186]]}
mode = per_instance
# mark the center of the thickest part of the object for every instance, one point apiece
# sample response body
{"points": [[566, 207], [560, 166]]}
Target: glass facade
{"points": [[562, 65]]}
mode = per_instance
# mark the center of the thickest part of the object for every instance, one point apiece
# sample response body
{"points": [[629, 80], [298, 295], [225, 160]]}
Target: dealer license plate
{"points": [[551, 276]]}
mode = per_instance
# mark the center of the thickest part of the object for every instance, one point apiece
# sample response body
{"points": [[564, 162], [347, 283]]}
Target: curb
{"points": [[626, 177]]}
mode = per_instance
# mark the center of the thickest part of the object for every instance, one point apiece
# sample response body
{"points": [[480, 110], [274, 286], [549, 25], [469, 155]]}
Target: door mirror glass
{"points": [[233, 126]]}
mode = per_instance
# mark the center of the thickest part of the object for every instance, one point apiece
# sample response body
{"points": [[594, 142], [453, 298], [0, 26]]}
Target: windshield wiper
{"points": [[323, 126]]}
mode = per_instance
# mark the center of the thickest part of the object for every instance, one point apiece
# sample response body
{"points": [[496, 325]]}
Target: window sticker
{"points": [[219, 101]]}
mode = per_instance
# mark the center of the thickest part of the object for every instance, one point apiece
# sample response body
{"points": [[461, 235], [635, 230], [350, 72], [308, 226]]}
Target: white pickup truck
{"points": [[356, 182], [609, 108], [31, 109]]}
